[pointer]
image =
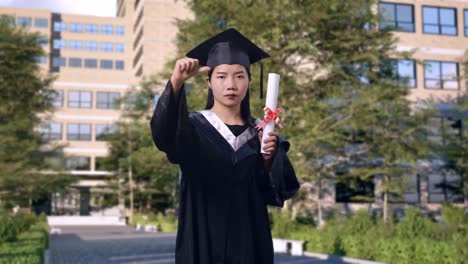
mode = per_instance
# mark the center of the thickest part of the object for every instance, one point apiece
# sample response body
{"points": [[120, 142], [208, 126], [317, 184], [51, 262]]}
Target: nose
{"points": [[231, 83]]}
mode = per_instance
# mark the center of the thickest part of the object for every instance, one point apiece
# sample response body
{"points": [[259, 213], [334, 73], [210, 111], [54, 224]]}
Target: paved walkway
{"points": [[103, 245]]}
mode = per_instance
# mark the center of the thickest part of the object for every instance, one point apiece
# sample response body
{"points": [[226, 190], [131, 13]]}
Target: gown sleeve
{"points": [[170, 127], [282, 179]]}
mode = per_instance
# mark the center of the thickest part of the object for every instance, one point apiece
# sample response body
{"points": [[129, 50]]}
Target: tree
{"points": [[132, 150], [25, 94], [333, 88]]}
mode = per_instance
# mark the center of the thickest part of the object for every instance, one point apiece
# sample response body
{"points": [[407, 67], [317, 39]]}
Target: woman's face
{"points": [[229, 84]]}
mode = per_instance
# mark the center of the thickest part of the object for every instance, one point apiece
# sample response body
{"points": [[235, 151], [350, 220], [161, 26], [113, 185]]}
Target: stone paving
{"points": [[124, 245]]}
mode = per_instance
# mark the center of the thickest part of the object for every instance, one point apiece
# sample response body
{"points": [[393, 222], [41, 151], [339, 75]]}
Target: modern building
{"points": [[436, 31], [96, 60]]}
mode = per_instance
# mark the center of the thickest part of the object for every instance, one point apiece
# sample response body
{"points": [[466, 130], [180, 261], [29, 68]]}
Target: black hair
{"points": [[245, 104]]}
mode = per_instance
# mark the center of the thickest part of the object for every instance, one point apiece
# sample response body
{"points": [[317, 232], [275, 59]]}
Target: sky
{"points": [[82, 7]]}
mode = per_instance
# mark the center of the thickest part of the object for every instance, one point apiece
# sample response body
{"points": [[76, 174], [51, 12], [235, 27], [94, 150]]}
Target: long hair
{"points": [[245, 103]]}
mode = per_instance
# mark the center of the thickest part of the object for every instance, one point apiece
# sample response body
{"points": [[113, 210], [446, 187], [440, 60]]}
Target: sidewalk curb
{"points": [[340, 258]]}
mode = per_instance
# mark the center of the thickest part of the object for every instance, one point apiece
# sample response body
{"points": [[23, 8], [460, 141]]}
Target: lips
{"points": [[230, 96]]}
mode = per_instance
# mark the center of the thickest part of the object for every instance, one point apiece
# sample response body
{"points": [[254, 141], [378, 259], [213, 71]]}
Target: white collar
{"points": [[235, 142]]}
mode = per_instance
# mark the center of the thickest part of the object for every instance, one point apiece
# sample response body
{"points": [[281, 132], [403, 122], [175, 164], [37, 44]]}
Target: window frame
{"points": [[62, 61], [119, 63], [441, 80], [70, 158], [87, 63], [59, 94], [103, 62], [107, 131], [41, 23], [59, 26], [119, 30], [107, 29], [439, 25], [107, 104], [76, 27], [94, 28], [74, 62], [465, 21], [61, 44], [79, 135], [395, 17], [80, 101], [43, 130], [91, 45], [24, 18]]}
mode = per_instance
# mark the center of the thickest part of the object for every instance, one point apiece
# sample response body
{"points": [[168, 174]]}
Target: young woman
{"points": [[226, 183]]}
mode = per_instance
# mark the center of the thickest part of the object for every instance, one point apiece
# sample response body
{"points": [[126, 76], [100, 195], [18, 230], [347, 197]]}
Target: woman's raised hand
{"points": [[184, 69]]}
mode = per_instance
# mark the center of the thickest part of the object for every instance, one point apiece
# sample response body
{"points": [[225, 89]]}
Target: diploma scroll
{"points": [[271, 102]]}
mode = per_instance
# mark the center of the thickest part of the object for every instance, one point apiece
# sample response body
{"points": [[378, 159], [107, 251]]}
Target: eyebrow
{"points": [[239, 72]]}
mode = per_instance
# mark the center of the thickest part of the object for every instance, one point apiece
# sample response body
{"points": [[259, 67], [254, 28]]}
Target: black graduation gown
{"points": [[224, 193]]}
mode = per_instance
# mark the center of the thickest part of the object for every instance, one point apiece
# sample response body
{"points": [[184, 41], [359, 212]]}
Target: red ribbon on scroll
{"points": [[270, 115]]}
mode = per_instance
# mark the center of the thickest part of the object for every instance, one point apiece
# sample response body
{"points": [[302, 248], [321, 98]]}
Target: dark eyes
{"points": [[237, 77]]}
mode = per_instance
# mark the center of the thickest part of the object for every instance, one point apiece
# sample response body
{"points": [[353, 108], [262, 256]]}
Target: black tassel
{"points": [[261, 80]]}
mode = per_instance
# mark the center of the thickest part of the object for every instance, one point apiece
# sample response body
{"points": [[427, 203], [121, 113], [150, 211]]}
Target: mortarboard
{"points": [[229, 47]]}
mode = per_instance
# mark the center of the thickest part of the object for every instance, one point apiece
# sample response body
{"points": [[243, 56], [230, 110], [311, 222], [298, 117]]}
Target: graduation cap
{"points": [[229, 47]]}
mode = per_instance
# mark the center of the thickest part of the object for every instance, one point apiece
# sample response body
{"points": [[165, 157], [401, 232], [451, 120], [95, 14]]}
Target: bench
{"points": [[288, 246]]}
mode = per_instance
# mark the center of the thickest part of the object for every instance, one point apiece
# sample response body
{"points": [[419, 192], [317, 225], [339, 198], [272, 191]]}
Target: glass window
{"points": [[10, 20], [120, 30], [75, 62], [41, 22], [90, 63], [59, 62], [445, 187], [58, 98], [441, 75], [107, 29], [103, 131], [92, 28], [106, 64], [43, 41], [120, 47], [60, 26], [107, 100], [466, 22], [91, 45], [79, 132], [80, 99], [59, 43], [398, 17], [119, 65], [78, 163], [24, 21], [106, 47], [76, 27], [41, 59], [51, 131], [439, 20], [76, 44], [402, 72]]}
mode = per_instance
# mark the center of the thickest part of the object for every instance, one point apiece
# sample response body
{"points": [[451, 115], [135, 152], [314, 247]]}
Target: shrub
{"points": [[8, 230], [24, 221], [414, 225], [454, 217]]}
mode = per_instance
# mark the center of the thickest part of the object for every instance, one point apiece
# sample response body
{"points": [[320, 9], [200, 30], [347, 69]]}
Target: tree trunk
{"points": [[319, 203], [130, 182], [385, 207], [130, 173]]}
